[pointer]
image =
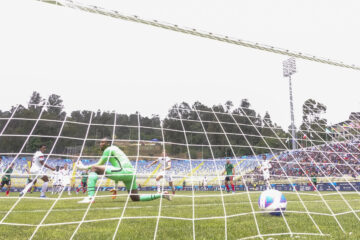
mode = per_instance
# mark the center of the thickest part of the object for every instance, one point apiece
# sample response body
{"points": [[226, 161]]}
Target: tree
{"points": [[35, 99], [313, 111], [267, 120], [314, 123], [55, 105], [229, 105], [250, 124]]}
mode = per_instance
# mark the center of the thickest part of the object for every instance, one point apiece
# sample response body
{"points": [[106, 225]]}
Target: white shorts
{"points": [[166, 175], [56, 183], [37, 172], [266, 176], [65, 182]]}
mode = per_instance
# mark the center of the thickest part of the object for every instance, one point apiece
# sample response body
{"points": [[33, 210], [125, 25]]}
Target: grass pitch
{"points": [[140, 219]]}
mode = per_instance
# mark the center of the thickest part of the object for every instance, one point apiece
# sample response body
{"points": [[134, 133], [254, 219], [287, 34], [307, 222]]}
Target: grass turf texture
{"points": [[140, 218]]}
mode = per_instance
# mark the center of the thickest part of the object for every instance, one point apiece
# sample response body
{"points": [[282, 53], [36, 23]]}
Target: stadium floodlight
{"points": [[289, 68]]}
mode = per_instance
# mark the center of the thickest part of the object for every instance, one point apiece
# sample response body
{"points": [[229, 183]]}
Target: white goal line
{"points": [[164, 217], [181, 206]]}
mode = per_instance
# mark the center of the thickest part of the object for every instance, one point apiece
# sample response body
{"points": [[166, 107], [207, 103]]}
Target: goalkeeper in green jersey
{"points": [[6, 179], [118, 169]]}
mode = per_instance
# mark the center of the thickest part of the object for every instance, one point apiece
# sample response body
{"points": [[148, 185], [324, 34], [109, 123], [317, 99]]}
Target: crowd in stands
{"points": [[21, 164], [328, 160], [180, 167]]}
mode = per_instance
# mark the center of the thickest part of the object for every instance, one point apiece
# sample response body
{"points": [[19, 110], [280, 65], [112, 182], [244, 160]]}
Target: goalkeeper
{"points": [[118, 169]]}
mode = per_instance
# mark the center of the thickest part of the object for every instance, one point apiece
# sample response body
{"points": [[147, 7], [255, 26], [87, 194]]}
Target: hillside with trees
{"points": [[196, 131]]}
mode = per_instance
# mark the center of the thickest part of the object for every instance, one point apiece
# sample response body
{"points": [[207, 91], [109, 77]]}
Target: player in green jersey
{"points": [[118, 169], [230, 173], [6, 179], [314, 181], [83, 182]]}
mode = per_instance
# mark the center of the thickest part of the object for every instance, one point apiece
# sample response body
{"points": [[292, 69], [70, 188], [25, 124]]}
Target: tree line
{"points": [[195, 131]]}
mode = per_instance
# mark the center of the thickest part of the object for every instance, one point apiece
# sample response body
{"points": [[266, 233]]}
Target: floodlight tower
{"points": [[289, 68]]}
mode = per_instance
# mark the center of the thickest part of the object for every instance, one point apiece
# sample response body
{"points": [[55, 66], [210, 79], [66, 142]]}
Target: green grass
{"points": [[140, 218]]}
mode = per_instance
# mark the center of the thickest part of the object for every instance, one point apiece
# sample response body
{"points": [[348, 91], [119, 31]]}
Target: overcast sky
{"points": [[96, 62]]}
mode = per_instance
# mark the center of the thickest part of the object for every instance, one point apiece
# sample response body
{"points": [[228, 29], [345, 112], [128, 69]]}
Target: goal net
{"points": [[315, 166], [199, 141]]}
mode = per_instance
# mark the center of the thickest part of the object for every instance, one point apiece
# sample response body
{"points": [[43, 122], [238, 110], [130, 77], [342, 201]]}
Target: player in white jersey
{"points": [[265, 167], [205, 180], [164, 171], [37, 170], [65, 178], [56, 179]]}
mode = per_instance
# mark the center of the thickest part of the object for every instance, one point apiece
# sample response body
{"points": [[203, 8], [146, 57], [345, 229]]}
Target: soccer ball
{"points": [[272, 201]]}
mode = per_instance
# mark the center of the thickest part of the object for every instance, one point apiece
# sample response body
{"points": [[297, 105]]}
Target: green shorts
{"points": [[5, 182], [125, 175]]}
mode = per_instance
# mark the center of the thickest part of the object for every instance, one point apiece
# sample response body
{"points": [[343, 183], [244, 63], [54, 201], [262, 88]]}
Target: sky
{"points": [[97, 62]]}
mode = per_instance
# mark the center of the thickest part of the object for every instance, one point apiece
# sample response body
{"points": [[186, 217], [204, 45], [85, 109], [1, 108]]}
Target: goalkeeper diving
{"points": [[118, 169]]}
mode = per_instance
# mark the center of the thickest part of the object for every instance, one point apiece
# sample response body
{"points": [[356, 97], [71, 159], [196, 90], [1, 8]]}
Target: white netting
{"points": [[320, 177], [199, 141]]}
